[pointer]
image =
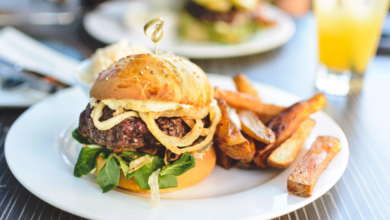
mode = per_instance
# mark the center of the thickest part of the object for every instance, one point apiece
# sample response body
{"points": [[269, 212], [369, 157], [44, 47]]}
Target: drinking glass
{"points": [[348, 36]]}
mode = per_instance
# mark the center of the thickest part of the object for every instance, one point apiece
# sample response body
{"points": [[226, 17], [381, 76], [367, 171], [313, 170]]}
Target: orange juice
{"points": [[348, 32]]}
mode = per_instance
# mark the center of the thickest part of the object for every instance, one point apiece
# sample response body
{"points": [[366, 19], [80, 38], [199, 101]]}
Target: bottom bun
{"points": [[203, 167]]}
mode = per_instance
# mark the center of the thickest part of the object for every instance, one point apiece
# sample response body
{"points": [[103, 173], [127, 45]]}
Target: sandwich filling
{"points": [[140, 143]]}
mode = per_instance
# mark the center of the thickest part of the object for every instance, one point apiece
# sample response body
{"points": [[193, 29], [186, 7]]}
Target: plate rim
{"points": [[286, 210], [235, 50]]}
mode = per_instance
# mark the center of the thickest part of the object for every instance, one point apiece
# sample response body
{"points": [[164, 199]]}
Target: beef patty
{"points": [[205, 15], [131, 132]]}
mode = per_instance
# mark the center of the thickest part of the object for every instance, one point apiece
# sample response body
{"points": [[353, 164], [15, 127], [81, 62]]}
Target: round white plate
{"points": [[20, 99], [41, 154], [117, 20]]}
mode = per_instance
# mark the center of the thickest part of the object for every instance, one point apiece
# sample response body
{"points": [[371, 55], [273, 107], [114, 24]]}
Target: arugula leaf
{"points": [[108, 177], [125, 168], [86, 161], [82, 140], [105, 155], [180, 166], [141, 175], [167, 181], [130, 153]]}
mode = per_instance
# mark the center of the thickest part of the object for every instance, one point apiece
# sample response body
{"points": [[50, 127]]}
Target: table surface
{"points": [[363, 192]]}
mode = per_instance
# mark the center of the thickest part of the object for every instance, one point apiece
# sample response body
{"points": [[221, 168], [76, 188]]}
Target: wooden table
{"points": [[363, 191]]}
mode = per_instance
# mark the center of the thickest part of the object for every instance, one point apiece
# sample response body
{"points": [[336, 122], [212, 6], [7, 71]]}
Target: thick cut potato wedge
{"points": [[301, 182], [247, 166], [262, 155], [244, 85], [235, 145], [284, 155], [265, 118], [244, 101], [224, 160], [234, 137], [252, 147], [223, 126], [286, 122], [252, 126]]}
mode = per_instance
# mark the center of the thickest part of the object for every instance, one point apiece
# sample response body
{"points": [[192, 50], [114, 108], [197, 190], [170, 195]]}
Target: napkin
{"points": [[33, 55]]}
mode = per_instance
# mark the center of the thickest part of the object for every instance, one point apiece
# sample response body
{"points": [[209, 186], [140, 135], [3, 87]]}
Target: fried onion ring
{"points": [[188, 139], [172, 142], [109, 123]]}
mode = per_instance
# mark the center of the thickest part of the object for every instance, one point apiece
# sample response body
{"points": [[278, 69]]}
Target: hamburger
{"points": [[150, 125], [224, 21]]}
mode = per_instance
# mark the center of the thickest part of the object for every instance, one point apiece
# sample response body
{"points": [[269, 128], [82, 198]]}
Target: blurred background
{"points": [[198, 29]]}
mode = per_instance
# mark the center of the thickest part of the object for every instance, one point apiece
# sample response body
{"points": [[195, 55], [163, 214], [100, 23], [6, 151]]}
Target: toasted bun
{"points": [[203, 167], [154, 77]]}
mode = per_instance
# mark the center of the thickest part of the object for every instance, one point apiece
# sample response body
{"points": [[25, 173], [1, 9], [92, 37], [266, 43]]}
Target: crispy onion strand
{"points": [[172, 142], [188, 139], [107, 124], [190, 113], [191, 124]]}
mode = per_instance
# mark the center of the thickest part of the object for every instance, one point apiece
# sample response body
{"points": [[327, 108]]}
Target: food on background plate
{"points": [[134, 129], [302, 180], [104, 57], [284, 155], [225, 21]]}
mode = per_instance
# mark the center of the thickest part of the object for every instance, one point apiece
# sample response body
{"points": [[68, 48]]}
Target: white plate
{"points": [[22, 98], [41, 153], [107, 24]]}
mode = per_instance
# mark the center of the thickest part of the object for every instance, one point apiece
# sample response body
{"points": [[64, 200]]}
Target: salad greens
{"points": [[82, 140], [108, 177], [86, 162]]}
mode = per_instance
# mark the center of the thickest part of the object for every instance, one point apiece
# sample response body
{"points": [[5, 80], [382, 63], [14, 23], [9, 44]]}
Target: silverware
{"points": [[14, 77]]}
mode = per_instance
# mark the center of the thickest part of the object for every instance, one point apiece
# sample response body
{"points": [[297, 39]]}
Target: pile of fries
{"points": [[270, 135]]}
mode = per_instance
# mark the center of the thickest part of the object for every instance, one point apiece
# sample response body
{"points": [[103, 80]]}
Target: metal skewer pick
{"points": [[158, 29]]}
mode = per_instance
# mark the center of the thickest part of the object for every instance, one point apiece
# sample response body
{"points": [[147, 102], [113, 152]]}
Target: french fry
{"points": [[286, 122], [248, 166], [302, 180], [229, 139], [244, 101], [284, 155], [235, 145], [261, 156], [223, 126], [224, 160], [265, 118], [252, 147], [252, 126], [234, 136], [244, 85]]}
